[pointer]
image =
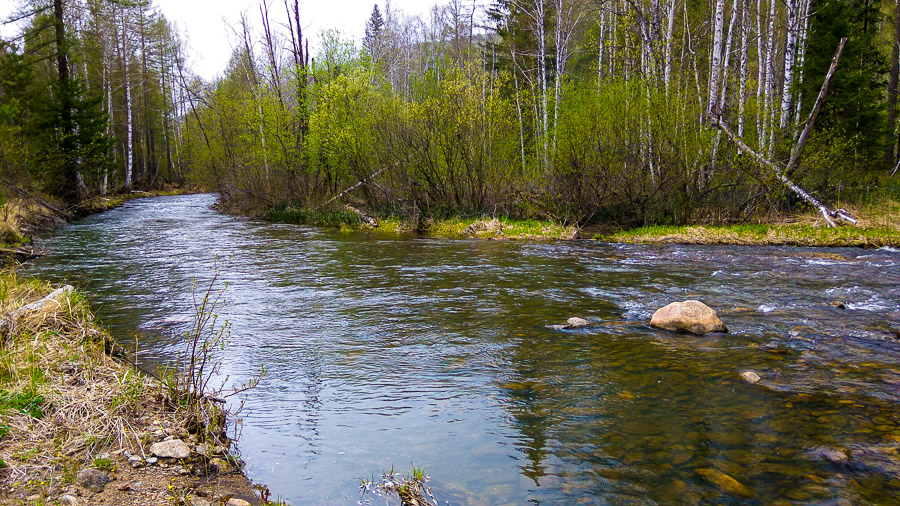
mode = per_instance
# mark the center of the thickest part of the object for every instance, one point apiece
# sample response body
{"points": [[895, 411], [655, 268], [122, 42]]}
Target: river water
{"points": [[385, 351]]}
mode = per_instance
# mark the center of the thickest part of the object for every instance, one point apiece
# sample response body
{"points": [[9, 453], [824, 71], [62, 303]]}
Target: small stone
{"points": [[104, 456], [750, 377], [127, 454], [831, 454], [181, 470], [33, 498], [152, 460], [838, 304], [123, 488], [68, 500], [221, 465], [237, 502], [200, 501], [576, 323], [137, 464], [171, 449], [689, 316], [169, 438], [93, 479]]}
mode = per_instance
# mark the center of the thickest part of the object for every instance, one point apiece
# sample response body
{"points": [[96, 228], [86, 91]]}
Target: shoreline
{"points": [[77, 419], [80, 425], [798, 231]]}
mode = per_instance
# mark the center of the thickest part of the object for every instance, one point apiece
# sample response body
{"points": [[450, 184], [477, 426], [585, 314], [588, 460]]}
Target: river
{"points": [[386, 351]]}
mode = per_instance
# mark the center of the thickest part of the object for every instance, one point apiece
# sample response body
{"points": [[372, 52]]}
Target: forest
{"points": [[629, 112]]}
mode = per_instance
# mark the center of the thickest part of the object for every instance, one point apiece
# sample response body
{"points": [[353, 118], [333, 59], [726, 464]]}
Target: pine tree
{"points": [[374, 26], [855, 108]]}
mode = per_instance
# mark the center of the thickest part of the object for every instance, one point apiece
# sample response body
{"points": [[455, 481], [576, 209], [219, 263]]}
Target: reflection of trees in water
{"points": [[624, 409]]}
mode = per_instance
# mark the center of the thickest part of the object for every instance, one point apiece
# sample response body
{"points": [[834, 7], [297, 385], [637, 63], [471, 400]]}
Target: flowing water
{"points": [[385, 351]]}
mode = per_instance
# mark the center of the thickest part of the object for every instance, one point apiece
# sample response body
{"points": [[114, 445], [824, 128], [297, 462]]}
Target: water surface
{"points": [[386, 351]]}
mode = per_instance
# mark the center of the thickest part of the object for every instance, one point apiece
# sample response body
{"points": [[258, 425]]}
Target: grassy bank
{"points": [[25, 215], [480, 227], [759, 235], [69, 411], [879, 226]]}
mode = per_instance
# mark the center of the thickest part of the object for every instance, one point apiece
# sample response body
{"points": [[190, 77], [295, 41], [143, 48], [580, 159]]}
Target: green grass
{"points": [[482, 227], [795, 235], [327, 218], [23, 402], [105, 465]]}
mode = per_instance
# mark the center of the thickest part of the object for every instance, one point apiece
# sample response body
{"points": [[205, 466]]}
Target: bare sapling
{"points": [[195, 382]]}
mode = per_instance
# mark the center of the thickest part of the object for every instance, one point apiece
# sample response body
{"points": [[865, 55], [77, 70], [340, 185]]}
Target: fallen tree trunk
{"points": [[354, 187], [801, 141], [8, 322], [779, 173], [782, 174]]}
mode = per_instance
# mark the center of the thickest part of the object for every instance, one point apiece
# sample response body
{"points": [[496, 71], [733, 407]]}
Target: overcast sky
{"points": [[204, 22]]}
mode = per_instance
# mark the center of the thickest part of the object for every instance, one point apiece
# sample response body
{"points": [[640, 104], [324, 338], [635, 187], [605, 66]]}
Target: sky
{"points": [[205, 22]]}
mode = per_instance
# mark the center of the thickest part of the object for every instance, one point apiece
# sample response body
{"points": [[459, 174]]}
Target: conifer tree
{"points": [[374, 26]]}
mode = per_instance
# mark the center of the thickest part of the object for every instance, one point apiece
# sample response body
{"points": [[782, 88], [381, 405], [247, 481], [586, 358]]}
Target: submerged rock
{"points": [[830, 453], [690, 316], [725, 483], [576, 323]]}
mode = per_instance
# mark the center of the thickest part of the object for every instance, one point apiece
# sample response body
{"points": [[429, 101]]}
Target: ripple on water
{"points": [[384, 352]]}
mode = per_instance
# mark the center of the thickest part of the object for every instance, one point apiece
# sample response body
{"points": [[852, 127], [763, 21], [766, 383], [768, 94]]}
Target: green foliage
{"points": [[329, 218], [855, 109], [104, 465], [28, 403]]}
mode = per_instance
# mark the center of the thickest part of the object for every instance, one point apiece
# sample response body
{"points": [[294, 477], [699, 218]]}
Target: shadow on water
{"points": [[385, 351]]}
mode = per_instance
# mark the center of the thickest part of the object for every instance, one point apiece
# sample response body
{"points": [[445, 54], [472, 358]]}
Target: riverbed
{"points": [[385, 351]]}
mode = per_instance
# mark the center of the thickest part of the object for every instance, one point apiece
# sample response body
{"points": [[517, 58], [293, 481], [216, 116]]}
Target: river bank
{"points": [[25, 215], [80, 426], [879, 227], [74, 411]]}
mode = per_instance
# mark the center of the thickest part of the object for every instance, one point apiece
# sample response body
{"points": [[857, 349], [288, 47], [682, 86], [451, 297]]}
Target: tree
{"points": [[855, 109], [374, 27]]}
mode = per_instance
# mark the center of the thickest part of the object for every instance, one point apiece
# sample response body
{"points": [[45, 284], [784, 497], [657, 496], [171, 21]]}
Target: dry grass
{"points": [[85, 399], [64, 401], [20, 217]]}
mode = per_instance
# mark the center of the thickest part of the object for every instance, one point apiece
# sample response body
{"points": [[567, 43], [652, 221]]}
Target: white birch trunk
{"points": [[770, 81], [790, 48], [716, 59], [129, 117], [667, 58], [742, 78], [542, 60], [760, 75], [801, 56]]}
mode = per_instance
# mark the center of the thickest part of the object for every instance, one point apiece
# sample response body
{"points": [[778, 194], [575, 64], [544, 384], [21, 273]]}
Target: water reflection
{"points": [[385, 351]]}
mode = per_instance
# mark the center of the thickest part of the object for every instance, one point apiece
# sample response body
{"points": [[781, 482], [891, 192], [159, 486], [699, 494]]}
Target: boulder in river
{"points": [[750, 377], [576, 323], [689, 316]]}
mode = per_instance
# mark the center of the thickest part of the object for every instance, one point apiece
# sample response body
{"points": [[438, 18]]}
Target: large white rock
{"points": [[174, 449], [689, 316]]}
